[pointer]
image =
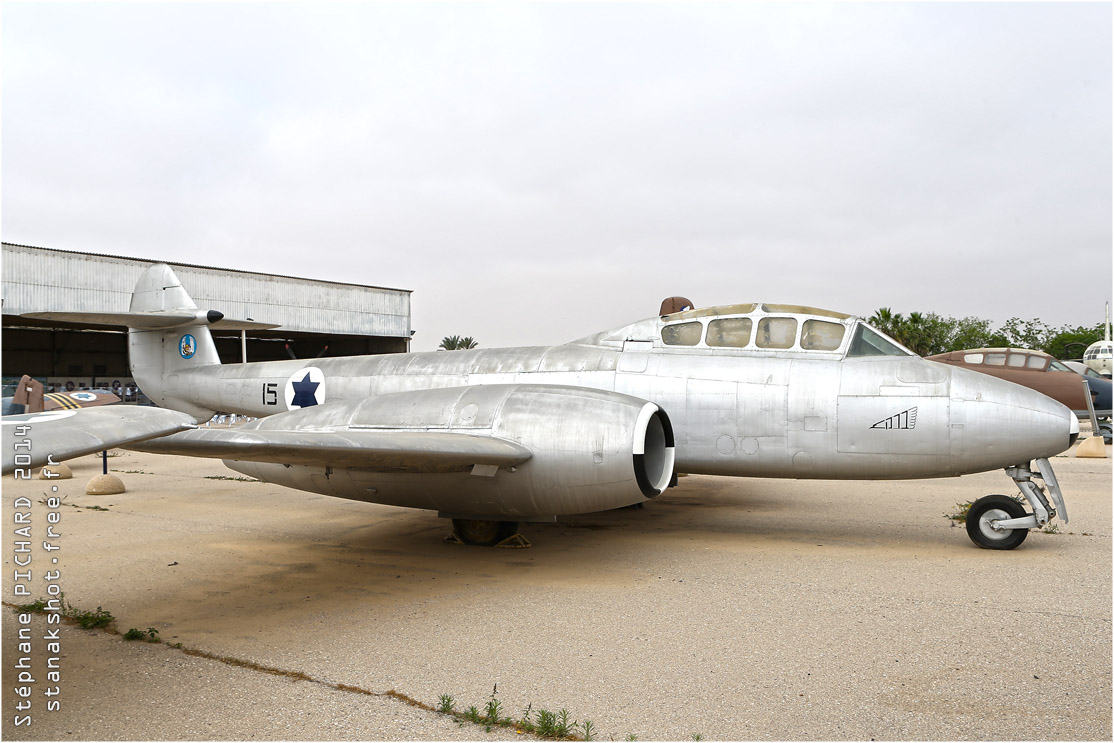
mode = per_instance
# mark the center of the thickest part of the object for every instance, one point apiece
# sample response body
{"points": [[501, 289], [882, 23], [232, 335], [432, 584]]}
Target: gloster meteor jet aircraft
{"points": [[492, 437]]}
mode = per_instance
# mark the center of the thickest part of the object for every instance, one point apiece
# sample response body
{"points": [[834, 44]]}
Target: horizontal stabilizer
{"points": [[376, 451], [30, 439], [152, 320]]}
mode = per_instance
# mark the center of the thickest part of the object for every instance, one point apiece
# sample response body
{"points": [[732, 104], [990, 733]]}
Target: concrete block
{"points": [[105, 485], [58, 471]]}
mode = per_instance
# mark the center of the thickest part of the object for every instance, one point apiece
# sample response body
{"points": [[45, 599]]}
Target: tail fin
{"points": [[167, 335], [157, 353]]}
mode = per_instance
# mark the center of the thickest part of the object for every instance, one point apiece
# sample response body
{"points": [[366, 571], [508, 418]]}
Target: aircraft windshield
{"points": [[869, 343]]}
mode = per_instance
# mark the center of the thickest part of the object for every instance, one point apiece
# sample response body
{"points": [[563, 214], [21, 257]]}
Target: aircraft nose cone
{"points": [[996, 423]]}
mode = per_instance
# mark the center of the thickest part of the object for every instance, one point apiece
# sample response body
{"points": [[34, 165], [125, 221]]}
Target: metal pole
{"points": [[1095, 431], [244, 346], [104, 462]]}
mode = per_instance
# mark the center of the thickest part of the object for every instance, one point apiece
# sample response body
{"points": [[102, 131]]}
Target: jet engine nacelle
{"points": [[583, 450]]}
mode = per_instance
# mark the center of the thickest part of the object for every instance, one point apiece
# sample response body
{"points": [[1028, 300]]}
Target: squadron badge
{"points": [[187, 346]]}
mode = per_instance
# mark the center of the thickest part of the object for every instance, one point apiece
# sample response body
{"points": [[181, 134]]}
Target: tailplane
{"points": [[167, 335]]}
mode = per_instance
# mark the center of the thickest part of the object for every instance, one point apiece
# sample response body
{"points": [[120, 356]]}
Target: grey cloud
{"points": [[920, 156]]}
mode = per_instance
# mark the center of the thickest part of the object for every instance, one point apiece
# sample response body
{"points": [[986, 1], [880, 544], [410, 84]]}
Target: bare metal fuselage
{"points": [[767, 415], [503, 435]]}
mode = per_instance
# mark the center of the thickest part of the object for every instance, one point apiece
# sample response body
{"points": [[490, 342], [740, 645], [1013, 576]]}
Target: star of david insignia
{"points": [[304, 393]]}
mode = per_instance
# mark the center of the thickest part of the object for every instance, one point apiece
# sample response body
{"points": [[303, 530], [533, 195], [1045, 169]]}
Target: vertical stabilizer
{"points": [[159, 355]]}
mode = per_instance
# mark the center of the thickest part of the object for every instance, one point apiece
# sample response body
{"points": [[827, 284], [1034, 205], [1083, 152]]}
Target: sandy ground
{"points": [[732, 609]]}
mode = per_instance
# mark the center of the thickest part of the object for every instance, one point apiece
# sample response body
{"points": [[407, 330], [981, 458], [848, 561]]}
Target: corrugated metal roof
{"points": [[42, 280], [198, 265]]}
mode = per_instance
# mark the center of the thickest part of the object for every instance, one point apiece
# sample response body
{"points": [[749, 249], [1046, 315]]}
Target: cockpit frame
{"points": [[756, 329]]}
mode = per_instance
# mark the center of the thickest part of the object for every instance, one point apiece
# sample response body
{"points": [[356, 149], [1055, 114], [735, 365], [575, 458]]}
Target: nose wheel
{"points": [[998, 522], [984, 523]]}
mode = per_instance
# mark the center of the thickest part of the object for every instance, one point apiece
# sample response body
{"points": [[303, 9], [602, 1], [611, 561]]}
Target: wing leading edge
{"points": [[376, 451], [31, 439]]}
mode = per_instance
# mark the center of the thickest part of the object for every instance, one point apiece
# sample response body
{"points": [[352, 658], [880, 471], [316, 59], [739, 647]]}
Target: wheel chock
{"points": [[1091, 447], [515, 542]]}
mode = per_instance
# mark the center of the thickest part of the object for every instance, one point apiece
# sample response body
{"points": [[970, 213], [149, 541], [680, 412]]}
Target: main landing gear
{"points": [[999, 522], [483, 533]]}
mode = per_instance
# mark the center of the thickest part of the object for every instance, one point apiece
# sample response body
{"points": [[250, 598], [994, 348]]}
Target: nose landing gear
{"points": [[985, 519], [999, 522]]}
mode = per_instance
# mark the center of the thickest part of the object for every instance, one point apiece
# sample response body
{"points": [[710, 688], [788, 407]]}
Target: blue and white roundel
{"points": [[84, 396], [305, 388], [187, 346]]}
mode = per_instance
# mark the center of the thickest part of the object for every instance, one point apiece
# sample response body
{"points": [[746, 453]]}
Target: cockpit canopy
{"points": [[758, 328], [1099, 350]]}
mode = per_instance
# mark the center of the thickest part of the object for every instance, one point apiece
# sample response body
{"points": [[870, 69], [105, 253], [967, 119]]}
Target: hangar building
{"points": [[348, 319]]}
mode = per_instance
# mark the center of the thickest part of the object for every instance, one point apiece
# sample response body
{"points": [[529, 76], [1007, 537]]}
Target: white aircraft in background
{"points": [[1100, 354], [492, 437]]}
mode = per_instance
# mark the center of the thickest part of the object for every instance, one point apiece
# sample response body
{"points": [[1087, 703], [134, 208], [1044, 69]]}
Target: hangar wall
{"points": [[350, 319]]}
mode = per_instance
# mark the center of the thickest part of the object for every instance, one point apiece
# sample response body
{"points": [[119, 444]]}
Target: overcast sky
{"points": [[536, 172]]}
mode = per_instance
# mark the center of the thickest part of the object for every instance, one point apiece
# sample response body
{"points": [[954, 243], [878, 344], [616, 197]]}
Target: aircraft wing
{"points": [[30, 439], [78, 399], [377, 451]]}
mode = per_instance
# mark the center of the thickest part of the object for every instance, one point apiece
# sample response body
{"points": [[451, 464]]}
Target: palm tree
{"points": [[456, 343], [919, 333], [914, 333], [887, 321]]}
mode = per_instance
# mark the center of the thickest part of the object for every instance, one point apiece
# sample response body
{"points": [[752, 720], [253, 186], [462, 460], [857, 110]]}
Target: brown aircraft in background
{"points": [[30, 398], [1038, 371]]}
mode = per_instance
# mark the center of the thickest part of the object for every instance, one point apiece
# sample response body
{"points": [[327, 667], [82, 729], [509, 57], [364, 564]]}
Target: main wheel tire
{"points": [[995, 508], [483, 533]]}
